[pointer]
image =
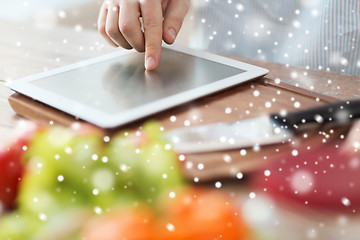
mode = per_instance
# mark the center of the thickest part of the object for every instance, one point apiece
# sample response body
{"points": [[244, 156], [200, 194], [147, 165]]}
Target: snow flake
{"points": [[124, 167], [252, 195], [95, 191], [68, 150], [240, 7], [294, 75], [42, 217], [170, 227], [239, 175], [319, 118], [315, 13], [60, 178], [227, 158], [268, 104], [106, 139], [345, 201], [200, 166], [256, 148], [104, 159], [344, 61], [98, 210], [189, 165], [296, 24], [294, 153], [62, 14], [78, 28], [242, 152], [172, 194]]}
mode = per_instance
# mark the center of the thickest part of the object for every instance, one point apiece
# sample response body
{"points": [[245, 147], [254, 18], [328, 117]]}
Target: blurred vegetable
{"points": [[10, 173], [187, 214], [146, 161], [11, 167], [136, 223], [78, 184], [322, 178], [201, 214]]}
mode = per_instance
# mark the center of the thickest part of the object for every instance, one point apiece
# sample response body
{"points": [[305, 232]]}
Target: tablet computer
{"points": [[115, 89]]}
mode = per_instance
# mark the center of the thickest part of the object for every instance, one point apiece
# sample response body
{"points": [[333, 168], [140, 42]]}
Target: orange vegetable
{"points": [[191, 214], [130, 224], [199, 214]]}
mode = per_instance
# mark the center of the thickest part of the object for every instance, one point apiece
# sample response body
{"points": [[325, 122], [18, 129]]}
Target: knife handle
{"points": [[340, 113]]}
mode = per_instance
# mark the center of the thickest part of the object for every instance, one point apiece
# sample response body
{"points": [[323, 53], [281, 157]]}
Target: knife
{"points": [[263, 130]]}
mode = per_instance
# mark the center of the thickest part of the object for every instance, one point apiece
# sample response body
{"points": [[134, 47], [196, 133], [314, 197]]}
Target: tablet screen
{"points": [[121, 83]]}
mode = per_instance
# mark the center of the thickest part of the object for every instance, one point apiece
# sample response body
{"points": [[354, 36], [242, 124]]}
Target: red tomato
{"points": [[130, 224], [11, 167], [10, 174], [194, 214], [323, 178]]}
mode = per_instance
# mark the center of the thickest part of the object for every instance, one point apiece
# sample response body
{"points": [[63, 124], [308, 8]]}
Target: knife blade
{"points": [[264, 130]]}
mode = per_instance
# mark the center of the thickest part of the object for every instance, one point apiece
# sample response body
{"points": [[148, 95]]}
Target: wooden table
{"points": [[26, 50]]}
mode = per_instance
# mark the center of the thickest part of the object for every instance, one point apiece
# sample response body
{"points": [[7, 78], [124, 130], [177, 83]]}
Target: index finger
{"points": [[151, 11]]}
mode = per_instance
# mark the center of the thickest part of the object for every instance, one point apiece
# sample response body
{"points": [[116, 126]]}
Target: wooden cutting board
{"points": [[252, 99]]}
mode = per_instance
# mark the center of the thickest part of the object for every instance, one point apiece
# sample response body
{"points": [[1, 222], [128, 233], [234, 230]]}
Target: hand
{"points": [[119, 24]]}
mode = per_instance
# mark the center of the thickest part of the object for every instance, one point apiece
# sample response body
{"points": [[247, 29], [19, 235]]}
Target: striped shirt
{"points": [[321, 34]]}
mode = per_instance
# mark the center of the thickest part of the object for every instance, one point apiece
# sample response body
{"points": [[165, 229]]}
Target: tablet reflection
{"points": [[120, 84], [126, 82], [130, 82]]}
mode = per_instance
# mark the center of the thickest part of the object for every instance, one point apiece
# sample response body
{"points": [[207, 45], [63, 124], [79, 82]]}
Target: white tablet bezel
{"points": [[106, 120]]}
